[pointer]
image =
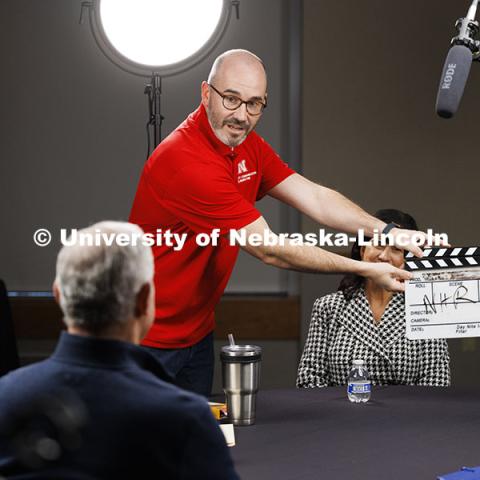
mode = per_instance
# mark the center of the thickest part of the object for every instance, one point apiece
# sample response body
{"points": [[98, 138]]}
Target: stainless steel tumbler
{"points": [[241, 375]]}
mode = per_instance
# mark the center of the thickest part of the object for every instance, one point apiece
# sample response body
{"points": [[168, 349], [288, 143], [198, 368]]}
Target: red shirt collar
{"points": [[200, 118]]}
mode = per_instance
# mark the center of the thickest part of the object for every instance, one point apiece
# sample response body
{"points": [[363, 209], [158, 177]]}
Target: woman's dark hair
{"points": [[350, 283]]}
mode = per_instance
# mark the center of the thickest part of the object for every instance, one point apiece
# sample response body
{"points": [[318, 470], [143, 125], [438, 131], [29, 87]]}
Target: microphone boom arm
{"points": [[467, 29]]}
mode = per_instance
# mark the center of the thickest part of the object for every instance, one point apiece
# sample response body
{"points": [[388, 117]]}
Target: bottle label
{"points": [[354, 388]]}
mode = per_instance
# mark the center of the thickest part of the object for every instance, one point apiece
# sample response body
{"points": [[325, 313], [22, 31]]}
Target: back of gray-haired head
{"points": [[98, 283], [244, 55]]}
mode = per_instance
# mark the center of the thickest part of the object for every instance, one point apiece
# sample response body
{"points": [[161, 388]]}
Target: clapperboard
{"points": [[443, 298]]}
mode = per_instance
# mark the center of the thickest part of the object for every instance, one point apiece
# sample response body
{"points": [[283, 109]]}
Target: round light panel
{"points": [[166, 36]]}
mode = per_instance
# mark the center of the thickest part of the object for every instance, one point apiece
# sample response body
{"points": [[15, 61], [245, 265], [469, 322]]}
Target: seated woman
{"points": [[363, 321]]}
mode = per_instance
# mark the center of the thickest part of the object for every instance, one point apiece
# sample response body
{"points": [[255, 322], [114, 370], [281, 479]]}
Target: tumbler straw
{"points": [[231, 340]]}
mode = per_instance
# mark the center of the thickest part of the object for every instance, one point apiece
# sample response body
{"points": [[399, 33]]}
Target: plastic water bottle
{"points": [[359, 385]]}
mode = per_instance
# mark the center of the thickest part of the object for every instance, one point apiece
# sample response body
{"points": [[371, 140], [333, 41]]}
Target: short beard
{"points": [[217, 125]]}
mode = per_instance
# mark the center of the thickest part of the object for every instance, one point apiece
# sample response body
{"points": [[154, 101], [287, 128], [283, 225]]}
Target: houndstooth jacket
{"points": [[341, 331]]}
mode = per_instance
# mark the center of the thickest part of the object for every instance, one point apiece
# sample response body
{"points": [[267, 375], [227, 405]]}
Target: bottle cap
{"points": [[359, 362]]}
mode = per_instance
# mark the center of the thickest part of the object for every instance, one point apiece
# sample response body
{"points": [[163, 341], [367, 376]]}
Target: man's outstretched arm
{"points": [[306, 258], [328, 207]]}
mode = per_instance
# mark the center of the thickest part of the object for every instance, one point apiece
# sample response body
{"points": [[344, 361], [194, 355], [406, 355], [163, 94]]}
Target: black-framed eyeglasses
{"points": [[232, 102]]}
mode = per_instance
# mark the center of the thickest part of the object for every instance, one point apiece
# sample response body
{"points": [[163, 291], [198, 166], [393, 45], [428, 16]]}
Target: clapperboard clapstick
{"points": [[438, 258]]}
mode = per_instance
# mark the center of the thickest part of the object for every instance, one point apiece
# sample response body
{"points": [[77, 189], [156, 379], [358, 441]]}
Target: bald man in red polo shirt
{"points": [[206, 176]]}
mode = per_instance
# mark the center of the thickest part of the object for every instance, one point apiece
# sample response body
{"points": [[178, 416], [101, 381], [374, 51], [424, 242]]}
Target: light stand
{"points": [[153, 90]]}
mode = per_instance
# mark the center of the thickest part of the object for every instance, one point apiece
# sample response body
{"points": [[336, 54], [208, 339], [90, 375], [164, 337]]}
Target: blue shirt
{"points": [[138, 425]]}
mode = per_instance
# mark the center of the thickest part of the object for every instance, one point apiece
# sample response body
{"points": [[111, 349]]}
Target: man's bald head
{"points": [[237, 58]]}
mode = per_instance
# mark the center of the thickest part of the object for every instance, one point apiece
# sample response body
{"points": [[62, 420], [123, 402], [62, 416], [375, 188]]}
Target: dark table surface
{"points": [[405, 433]]}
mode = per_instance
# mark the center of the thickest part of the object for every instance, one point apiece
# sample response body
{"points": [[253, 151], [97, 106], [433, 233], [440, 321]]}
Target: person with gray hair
{"points": [[96, 285], [206, 176], [100, 406]]}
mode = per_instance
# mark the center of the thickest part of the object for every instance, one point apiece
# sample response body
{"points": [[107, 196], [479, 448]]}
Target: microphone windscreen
{"points": [[453, 80]]}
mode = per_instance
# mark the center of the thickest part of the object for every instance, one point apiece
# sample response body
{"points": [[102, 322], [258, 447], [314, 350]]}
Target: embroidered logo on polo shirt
{"points": [[242, 171], [242, 168]]}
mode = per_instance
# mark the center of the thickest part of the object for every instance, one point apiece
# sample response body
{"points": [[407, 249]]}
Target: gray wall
{"points": [[73, 142], [371, 73], [73, 136]]}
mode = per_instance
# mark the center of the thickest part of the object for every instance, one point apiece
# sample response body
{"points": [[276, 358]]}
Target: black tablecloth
{"points": [[403, 433]]}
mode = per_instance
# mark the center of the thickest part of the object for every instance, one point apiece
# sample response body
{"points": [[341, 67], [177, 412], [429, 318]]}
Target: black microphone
{"points": [[453, 80], [457, 65]]}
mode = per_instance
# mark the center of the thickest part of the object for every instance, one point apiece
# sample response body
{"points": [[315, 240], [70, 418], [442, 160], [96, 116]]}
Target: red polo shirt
{"points": [[194, 183]]}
